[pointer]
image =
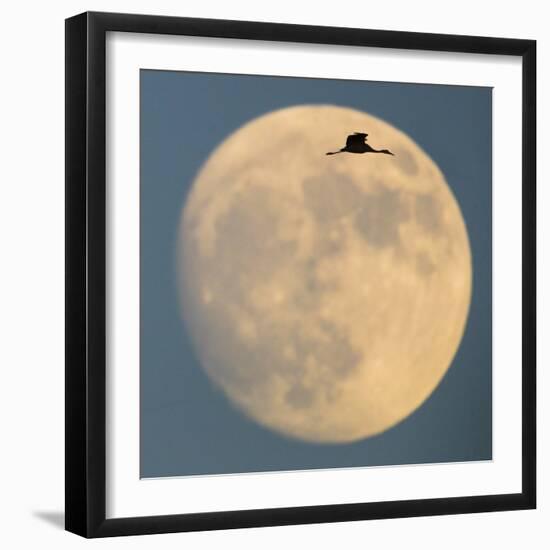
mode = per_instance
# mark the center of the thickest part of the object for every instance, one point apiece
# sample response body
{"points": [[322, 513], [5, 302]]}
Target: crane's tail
{"points": [[333, 152]]}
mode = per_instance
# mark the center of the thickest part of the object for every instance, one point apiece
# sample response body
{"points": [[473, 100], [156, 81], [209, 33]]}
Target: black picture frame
{"points": [[86, 274]]}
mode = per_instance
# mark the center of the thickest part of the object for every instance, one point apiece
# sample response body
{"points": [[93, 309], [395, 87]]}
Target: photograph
{"points": [[273, 275], [300, 274], [315, 273]]}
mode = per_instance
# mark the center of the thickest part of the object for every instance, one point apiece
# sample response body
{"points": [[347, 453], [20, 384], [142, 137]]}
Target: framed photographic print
{"points": [[300, 274]]}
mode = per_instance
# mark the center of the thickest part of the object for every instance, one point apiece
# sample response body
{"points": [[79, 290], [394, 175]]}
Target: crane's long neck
{"points": [[336, 152]]}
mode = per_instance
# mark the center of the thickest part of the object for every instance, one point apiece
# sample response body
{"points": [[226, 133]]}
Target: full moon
{"points": [[326, 296]]}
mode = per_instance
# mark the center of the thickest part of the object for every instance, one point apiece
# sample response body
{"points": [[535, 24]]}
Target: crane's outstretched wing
{"points": [[356, 138]]}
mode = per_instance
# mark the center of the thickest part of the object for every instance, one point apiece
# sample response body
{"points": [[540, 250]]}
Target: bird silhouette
{"points": [[357, 143]]}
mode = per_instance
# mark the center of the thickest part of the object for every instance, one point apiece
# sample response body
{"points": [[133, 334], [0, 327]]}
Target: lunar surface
{"points": [[326, 296]]}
